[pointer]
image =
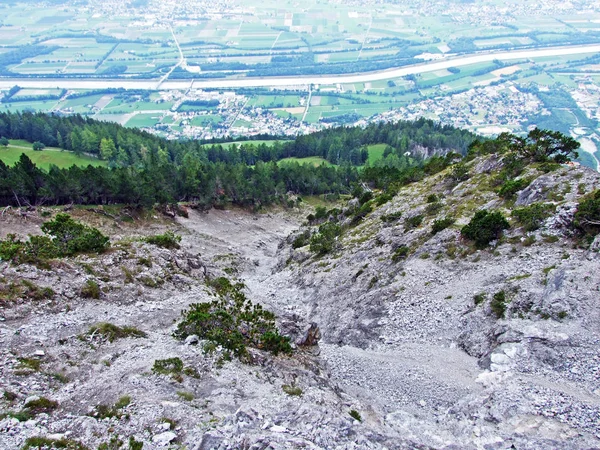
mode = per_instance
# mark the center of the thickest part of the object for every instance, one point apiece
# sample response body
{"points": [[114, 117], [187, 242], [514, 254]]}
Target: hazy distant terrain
{"points": [[162, 42]]}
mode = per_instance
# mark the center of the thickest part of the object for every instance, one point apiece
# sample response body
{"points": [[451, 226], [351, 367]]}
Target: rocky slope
{"points": [[413, 343]]}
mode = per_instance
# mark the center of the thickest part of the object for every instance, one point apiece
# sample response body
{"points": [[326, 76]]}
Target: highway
{"points": [[304, 80]]}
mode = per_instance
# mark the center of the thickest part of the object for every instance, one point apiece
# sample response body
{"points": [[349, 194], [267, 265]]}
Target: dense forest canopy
{"points": [[145, 169]]}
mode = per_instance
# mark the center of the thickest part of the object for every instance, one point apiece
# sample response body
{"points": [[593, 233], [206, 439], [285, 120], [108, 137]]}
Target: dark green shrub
{"points": [[391, 217], [294, 391], [441, 224], [324, 241], [587, 217], [361, 213], [531, 217], [485, 227], [459, 173], [383, 198], [400, 253], [72, 237], [432, 198], [320, 213], [233, 322], [510, 188], [301, 240], [167, 366], [413, 222], [166, 240], [433, 208], [355, 415], [108, 412], [10, 247], [365, 197], [498, 304], [479, 298], [135, 445]]}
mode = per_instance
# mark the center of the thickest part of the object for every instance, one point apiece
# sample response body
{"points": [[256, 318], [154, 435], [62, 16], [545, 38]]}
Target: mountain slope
{"points": [[498, 344]]}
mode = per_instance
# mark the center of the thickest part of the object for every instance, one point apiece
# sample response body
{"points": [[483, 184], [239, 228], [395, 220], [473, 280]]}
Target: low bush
{"points": [[355, 415], [301, 240], [293, 391], [391, 217], [413, 222], [510, 188], [498, 304], [400, 253], [441, 224], [41, 405], [531, 217], [485, 227], [165, 240], [167, 366], [478, 299], [64, 237], [233, 322], [587, 217], [71, 237], [325, 240]]}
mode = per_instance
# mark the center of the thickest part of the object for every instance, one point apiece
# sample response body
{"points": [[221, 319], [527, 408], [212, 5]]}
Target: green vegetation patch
{"points": [[166, 240], [111, 332], [485, 227], [49, 157], [233, 322], [103, 411], [42, 443], [532, 217], [587, 217], [64, 237]]}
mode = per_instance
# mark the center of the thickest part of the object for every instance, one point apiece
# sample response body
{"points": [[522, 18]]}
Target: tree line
{"points": [[145, 169]]}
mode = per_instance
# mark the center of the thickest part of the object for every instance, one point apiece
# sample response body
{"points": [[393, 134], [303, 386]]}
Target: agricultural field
{"points": [[148, 39], [45, 158]]}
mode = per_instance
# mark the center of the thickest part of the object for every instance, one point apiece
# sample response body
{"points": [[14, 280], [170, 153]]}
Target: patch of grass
{"points": [[187, 396], [166, 240], [111, 332], [294, 391], [33, 364], [40, 406], [90, 289], [168, 366], [172, 422], [114, 444], [42, 443], [128, 275], [532, 217], [145, 262], [107, 412], [392, 217]]}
